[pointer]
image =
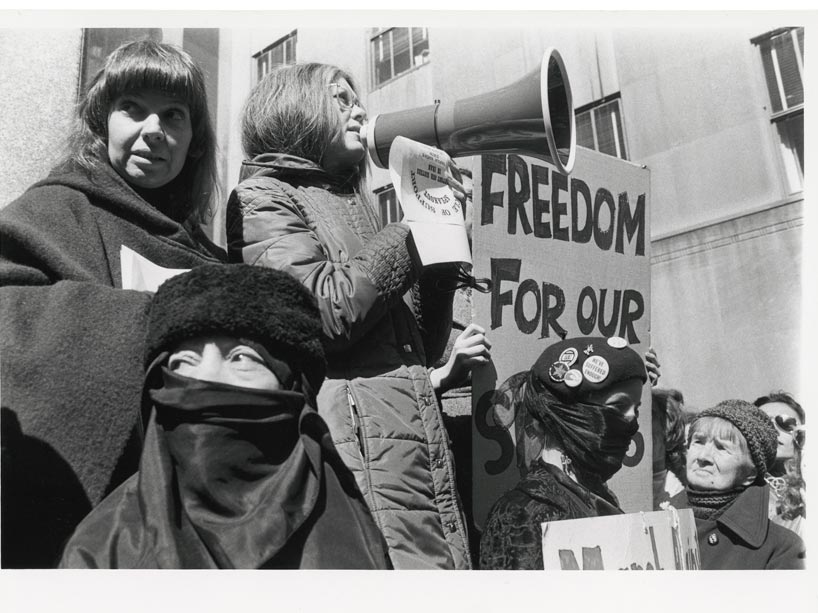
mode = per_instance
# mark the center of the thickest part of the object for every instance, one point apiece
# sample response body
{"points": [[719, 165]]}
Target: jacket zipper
{"points": [[357, 427]]}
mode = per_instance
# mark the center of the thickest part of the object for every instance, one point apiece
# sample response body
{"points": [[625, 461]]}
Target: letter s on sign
{"points": [[632, 459], [488, 429]]}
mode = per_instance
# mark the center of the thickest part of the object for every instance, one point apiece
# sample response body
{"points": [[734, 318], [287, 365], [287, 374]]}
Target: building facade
{"points": [[716, 114]]}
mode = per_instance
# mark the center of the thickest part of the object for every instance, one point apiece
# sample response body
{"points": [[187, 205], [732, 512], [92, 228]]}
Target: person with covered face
{"points": [[575, 413], [730, 449], [303, 207], [238, 470], [140, 172]]}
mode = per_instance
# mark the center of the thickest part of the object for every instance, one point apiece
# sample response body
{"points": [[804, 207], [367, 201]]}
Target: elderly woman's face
{"points": [[717, 463], [149, 134], [222, 359], [346, 150]]}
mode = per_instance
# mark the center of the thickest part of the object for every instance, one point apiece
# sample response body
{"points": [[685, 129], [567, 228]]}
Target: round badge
{"points": [[573, 378], [569, 356], [557, 371], [617, 342], [595, 369]]}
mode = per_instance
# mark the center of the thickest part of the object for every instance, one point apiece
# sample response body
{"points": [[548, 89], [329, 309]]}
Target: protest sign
{"points": [[436, 218], [567, 255], [659, 540]]}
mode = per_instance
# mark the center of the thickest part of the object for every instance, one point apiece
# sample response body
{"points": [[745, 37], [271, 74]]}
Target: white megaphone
{"points": [[533, 116]]}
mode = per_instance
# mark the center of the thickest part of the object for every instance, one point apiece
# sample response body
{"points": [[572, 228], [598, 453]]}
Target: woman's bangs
{"points": [[165, 74]]}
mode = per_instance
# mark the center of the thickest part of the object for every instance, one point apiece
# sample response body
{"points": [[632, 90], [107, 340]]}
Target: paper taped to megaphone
{"points": [[429, 207]]}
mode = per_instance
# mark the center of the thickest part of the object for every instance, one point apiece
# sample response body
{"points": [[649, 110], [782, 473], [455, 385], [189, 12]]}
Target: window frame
{"points": [[378, 33], [789, 163], [593, 107], [256, 57], [385, 190]]}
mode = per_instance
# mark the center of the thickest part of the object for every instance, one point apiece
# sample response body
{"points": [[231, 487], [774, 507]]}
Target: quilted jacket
{"points": [[383, 324]]}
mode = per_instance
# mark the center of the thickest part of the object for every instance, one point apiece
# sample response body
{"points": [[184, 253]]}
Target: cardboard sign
{"points": [[139, 273], [429, 207], [660, 540], [567, 255]]}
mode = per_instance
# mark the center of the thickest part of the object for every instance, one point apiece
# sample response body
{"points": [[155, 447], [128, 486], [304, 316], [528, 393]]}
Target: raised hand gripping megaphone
{"points": [[533, 116]]}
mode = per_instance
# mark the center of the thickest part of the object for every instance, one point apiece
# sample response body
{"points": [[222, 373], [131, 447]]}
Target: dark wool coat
{"points": [[383, 325], [743, 537], [301, 511], [71, 342], [512, 536]]}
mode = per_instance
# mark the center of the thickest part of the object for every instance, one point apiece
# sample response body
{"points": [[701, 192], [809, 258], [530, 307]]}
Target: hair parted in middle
{"points": [[291, 111], [149, 65]]}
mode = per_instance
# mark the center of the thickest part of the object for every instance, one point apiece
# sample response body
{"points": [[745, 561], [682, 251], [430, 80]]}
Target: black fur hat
{"points": [[263, 305]]}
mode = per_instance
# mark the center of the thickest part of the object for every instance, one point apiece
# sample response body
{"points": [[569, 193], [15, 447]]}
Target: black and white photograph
{"points": [[402, 290]]}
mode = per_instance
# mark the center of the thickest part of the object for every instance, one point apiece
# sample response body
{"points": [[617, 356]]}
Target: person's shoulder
{"points": [[260, 192], [50, 195], [785, 536]]}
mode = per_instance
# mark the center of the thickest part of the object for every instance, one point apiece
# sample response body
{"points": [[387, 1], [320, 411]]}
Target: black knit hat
{"points": [[263, 305], [574, 368], [755, 426]]}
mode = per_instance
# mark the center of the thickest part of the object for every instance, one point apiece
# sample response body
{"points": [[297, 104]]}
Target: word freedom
{"points": [[606, 219]]}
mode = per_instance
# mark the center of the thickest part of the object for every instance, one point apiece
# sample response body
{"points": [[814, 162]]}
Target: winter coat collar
{"points": [[747, 516], [532, 485], [106, 190], [295, 170]]}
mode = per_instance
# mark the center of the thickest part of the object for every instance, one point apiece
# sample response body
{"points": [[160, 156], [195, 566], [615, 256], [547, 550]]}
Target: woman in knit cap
{"points": [[730, 448], [238, 470], [575, 413]]}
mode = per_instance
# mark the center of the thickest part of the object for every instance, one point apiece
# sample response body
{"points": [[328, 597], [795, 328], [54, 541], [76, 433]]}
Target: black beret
{"points": [[260, 304], [755, 426], [574, 368]]}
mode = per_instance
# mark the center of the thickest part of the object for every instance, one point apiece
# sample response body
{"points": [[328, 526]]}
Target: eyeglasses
{"points": [[785, 423], [346, 98]]}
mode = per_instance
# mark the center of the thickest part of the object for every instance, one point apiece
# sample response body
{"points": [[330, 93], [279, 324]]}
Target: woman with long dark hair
{"points": [[139, 173]]}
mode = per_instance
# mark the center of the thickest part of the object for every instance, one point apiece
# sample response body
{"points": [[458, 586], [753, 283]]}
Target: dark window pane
{"points": [[585, 131], [791, 130], [420, 46], [790, 73], [383, 205], [605, 130], [394, 209], [382, 58], [400, 45]]}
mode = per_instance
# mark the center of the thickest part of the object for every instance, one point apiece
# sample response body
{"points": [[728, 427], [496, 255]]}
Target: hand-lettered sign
{"points": [[567, 256], [659, 540]]}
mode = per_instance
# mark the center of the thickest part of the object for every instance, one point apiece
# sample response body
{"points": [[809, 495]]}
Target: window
{"points": [[782, 56], [398, 50], [599, 126], [280, 52], [388, 205]]}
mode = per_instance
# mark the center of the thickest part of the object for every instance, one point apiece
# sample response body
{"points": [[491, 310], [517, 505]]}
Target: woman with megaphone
{"points": [[302, 207]]}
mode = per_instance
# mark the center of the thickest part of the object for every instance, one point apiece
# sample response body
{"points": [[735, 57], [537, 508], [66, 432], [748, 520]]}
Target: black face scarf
{"points": [[594, 437], [243, 476]]}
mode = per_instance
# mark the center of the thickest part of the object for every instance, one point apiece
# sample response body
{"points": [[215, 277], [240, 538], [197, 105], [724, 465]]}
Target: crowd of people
{"points": [[279, 404]]}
